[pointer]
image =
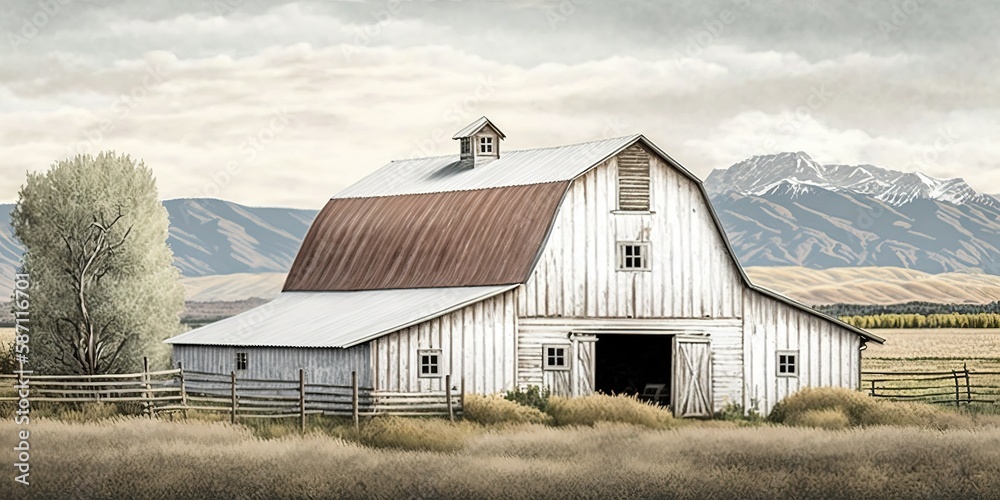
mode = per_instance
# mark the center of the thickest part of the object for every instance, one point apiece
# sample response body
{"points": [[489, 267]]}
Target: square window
{"points": [[633, 256], [430, 362], [554, 357], [485, 144], [788, 363], [241, 361]]}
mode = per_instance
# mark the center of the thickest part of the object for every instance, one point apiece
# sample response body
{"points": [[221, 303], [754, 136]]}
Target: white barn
{"points": [[594, 266]]}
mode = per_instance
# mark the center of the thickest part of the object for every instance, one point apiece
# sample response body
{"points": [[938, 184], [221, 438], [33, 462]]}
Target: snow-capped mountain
{"points": [[758, 174], [788, 209]]}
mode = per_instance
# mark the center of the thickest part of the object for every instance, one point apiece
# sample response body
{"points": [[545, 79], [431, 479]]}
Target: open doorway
{"points": [[627, 363]]}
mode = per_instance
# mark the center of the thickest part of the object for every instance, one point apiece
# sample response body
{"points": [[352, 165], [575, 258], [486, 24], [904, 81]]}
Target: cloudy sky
{"points": [[284, 104]]}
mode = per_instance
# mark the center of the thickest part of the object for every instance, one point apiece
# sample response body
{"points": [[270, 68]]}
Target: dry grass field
{"points": [[136, 458], [6, 336], [954, 343]]}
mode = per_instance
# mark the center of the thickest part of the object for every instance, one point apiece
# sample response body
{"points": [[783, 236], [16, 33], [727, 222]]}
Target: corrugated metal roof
{"points": [[475, 126], [335, 319], [460, 238], [513, 168]]}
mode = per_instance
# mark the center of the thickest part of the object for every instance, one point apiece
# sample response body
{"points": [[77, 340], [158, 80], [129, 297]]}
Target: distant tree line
{"points": [[920, 308], [952, 320]]}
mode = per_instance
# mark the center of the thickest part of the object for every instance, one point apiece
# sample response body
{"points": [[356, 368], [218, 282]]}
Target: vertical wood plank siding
{"points": [[322, 365], [829, 355], [692, 273], [477, 342]]}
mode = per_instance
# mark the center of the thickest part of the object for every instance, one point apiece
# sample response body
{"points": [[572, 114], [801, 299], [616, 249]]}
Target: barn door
{"points": [[692, 383], [583, 364]]}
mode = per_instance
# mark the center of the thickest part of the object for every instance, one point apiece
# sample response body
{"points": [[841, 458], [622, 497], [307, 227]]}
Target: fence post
{"points": [[968, 388], [447, 396], [148, 394], [354, 399], [184, 401], [232, 417], [461, 400], [955, 374], [302, 400], [873, 388]]}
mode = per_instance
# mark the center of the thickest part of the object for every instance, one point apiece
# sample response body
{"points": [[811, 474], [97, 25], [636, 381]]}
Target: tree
{"points": [[104, 290]]}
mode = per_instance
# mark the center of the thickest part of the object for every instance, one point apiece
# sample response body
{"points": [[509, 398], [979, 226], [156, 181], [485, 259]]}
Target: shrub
{"points": [[862, 410], [533, 397], [734, 412], [493, 410], [589, 410], [831, 419], [427, 434]]}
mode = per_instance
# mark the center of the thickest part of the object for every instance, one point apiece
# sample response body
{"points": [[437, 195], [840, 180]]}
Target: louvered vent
{"points": [[633, 179]]}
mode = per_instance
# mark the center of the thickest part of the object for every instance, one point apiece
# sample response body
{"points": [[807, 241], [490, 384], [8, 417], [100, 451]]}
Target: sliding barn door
{"points": [[692, 383], [584, 364]]}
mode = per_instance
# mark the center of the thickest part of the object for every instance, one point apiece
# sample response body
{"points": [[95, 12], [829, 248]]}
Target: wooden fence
{"points": [[182, 391], [954, 387]]}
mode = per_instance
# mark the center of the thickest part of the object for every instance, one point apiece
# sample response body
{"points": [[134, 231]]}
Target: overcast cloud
{"points": [[271, 103]]}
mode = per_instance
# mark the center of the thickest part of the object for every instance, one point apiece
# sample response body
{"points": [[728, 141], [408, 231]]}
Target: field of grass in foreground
{"points": [[136, 458]]}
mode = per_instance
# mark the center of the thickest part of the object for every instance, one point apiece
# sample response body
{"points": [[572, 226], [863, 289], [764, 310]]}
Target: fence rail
{"points": [[952, 387], [181, 391]]}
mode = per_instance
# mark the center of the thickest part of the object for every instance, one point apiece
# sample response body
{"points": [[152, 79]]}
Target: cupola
{"points": [[480, 142]]}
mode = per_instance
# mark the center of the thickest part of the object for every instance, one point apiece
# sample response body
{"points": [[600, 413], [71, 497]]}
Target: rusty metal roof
{"points": [[458, 238], [334, 319], [513, 168]]}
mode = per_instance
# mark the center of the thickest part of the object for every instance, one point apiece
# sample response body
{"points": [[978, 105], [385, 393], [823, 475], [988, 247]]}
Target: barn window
{"points": [[241, 361], [466, 146], [485, 144], [554, 357], [633, 255], [633, 180], [788, 363], [430, 362]]}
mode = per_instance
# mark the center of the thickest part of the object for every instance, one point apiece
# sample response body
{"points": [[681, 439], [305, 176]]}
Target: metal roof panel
{"points": [[335, 319], [513, 168]]}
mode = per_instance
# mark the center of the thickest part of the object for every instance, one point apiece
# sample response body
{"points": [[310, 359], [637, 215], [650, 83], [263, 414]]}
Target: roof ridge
{"points": [[608, 139]]}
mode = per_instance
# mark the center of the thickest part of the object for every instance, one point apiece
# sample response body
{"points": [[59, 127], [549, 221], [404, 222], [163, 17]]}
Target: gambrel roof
{"points": [[453, 239]]}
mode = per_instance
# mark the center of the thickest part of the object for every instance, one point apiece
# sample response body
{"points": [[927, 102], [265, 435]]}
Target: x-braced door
{"points": [[692, 382]]}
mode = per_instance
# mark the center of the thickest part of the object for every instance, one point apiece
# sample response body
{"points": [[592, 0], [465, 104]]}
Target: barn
{"points": [[598, 266]]}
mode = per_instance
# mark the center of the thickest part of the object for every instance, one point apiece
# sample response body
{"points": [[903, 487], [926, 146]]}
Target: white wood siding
{"points": [[322, 365], [692, 273], [726, 336], [476, 342], [829, 355]]}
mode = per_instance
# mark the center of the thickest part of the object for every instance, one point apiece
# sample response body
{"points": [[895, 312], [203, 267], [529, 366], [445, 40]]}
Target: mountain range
{"points": [[209, 238], [780, 211], [789, 210]]}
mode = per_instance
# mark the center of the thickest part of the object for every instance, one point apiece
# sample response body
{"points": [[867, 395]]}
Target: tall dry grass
{"points": [[835, 408], [597, 408], [137, 458]]}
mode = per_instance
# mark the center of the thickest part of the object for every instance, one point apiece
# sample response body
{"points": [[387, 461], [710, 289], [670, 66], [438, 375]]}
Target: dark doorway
{"points": [[626, 363]]}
